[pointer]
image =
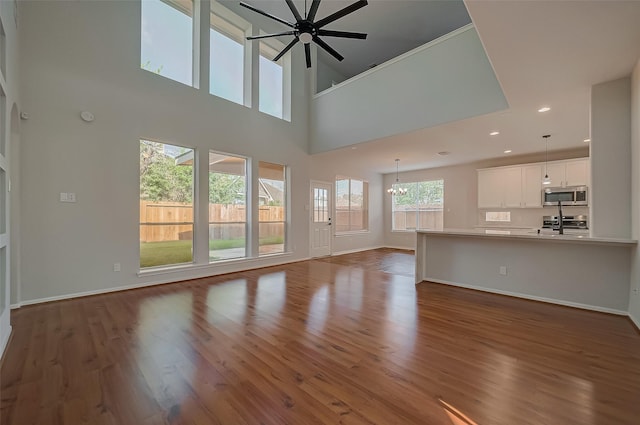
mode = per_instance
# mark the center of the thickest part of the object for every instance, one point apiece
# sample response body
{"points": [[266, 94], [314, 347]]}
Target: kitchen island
{"points": [[574, 270]]}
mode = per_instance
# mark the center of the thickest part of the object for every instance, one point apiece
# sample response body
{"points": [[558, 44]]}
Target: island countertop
{"points": [[530, 234]]}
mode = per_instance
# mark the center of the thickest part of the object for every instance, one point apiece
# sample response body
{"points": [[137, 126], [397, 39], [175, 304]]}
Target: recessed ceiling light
{"points": [[494, 133], [444, 153], [507, 151], [544, 109], [586, 140]]}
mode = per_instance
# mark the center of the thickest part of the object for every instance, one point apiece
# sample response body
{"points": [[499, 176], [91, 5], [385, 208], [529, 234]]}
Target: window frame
{"points": [[365, 206], [417, 208], [247, 215], [192, 223], [180, 6], [236, 28], [285, 205], [285, 62]]}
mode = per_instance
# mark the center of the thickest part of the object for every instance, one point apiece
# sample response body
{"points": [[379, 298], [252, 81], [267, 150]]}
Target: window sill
{"points": [[156, 271]]}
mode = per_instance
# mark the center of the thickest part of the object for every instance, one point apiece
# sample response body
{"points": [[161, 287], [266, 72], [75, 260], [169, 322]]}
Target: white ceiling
{"points": [[544, 53]]}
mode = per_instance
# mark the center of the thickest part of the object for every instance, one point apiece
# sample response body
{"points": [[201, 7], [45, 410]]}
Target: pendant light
{"points": [[546, 180], [397, 190]]}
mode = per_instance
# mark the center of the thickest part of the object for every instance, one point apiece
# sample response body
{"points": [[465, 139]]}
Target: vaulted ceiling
{"points": [[544, 53]]}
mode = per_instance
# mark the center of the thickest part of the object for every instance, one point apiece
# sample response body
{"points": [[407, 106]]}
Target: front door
{"points": [[321, 229]]}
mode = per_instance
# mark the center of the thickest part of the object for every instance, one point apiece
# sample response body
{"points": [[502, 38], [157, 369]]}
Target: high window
{"points": [[272, 197], [352, 210], [167, 39], [227, 206], [228, 60], [271, 81], [420, 208], [166, 205]]}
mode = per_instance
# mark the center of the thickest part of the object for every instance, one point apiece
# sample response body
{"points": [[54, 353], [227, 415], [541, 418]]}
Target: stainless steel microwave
{"points": [[569, 196]]}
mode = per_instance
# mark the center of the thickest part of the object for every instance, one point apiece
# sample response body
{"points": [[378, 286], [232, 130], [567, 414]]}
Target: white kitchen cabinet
{"points": [[490, 191], [577, 172], [573, 172], [499, 187], [521, 186], [532, 186]]}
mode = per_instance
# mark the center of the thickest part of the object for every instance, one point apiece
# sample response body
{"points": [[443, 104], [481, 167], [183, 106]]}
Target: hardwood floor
{"points": [[341, 340]]}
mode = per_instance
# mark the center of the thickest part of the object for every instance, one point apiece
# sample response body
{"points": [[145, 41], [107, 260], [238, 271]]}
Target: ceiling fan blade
{"points": [[341, 13], [344, 34], [268, 15], [328, 48], [307, 54], [312, 11], [286, 49], [294, 10], [257, 37]]}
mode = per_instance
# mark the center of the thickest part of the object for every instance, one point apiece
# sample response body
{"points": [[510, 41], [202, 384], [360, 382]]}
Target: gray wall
{"points": [[634, 295], [73, 60], [611, 158], [461, 84]]}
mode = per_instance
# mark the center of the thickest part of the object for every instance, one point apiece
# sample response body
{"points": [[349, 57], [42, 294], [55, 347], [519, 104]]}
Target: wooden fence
{"points": [[171, 221], [428, 219]]}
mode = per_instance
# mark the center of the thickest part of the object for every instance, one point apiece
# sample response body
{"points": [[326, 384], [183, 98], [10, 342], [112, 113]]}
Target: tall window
{"points": [[272, 207], [167, 39], [227, 206], [271, 81], [352, 210], [227, 54], [420, 208], [166, 204]]}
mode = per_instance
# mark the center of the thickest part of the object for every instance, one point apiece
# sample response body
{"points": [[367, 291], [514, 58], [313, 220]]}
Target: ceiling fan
{"points": [[306, 30]]}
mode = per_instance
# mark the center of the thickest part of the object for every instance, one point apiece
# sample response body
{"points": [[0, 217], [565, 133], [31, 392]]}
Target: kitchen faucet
{"points": [[560, 220]]}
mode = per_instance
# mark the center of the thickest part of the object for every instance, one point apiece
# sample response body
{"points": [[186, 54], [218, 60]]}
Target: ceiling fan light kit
{"points": [[306, 29]]}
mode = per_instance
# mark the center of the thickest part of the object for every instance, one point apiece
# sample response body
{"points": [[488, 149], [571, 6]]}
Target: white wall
{"points": [[86, 56], [455, 81], [634, 293], [611, 158]]}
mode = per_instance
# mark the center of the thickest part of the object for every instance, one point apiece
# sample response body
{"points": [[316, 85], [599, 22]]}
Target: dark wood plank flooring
{"points": [[339, 340]]}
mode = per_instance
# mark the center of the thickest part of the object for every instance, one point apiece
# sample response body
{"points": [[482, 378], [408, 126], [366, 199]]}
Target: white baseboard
{"points": [[635, 321], [147, 284], [353, 251], [404, 248], [532, 297]]}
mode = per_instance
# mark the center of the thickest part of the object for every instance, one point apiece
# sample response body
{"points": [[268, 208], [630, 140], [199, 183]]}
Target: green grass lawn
{"points": [[164, 253], [176, 252]]}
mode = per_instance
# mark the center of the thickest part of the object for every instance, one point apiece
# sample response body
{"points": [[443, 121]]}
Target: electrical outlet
{"points": [[67, 197], [116, 267], [503, 270]]}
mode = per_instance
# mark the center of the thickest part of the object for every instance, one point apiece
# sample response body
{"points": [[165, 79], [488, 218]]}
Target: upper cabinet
{"points": [[500, 187], [532, 186], [574, 172], [520, 186]]}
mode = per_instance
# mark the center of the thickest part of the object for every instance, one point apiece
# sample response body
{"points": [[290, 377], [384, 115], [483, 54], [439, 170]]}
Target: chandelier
{"points": [[395, 189]]}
